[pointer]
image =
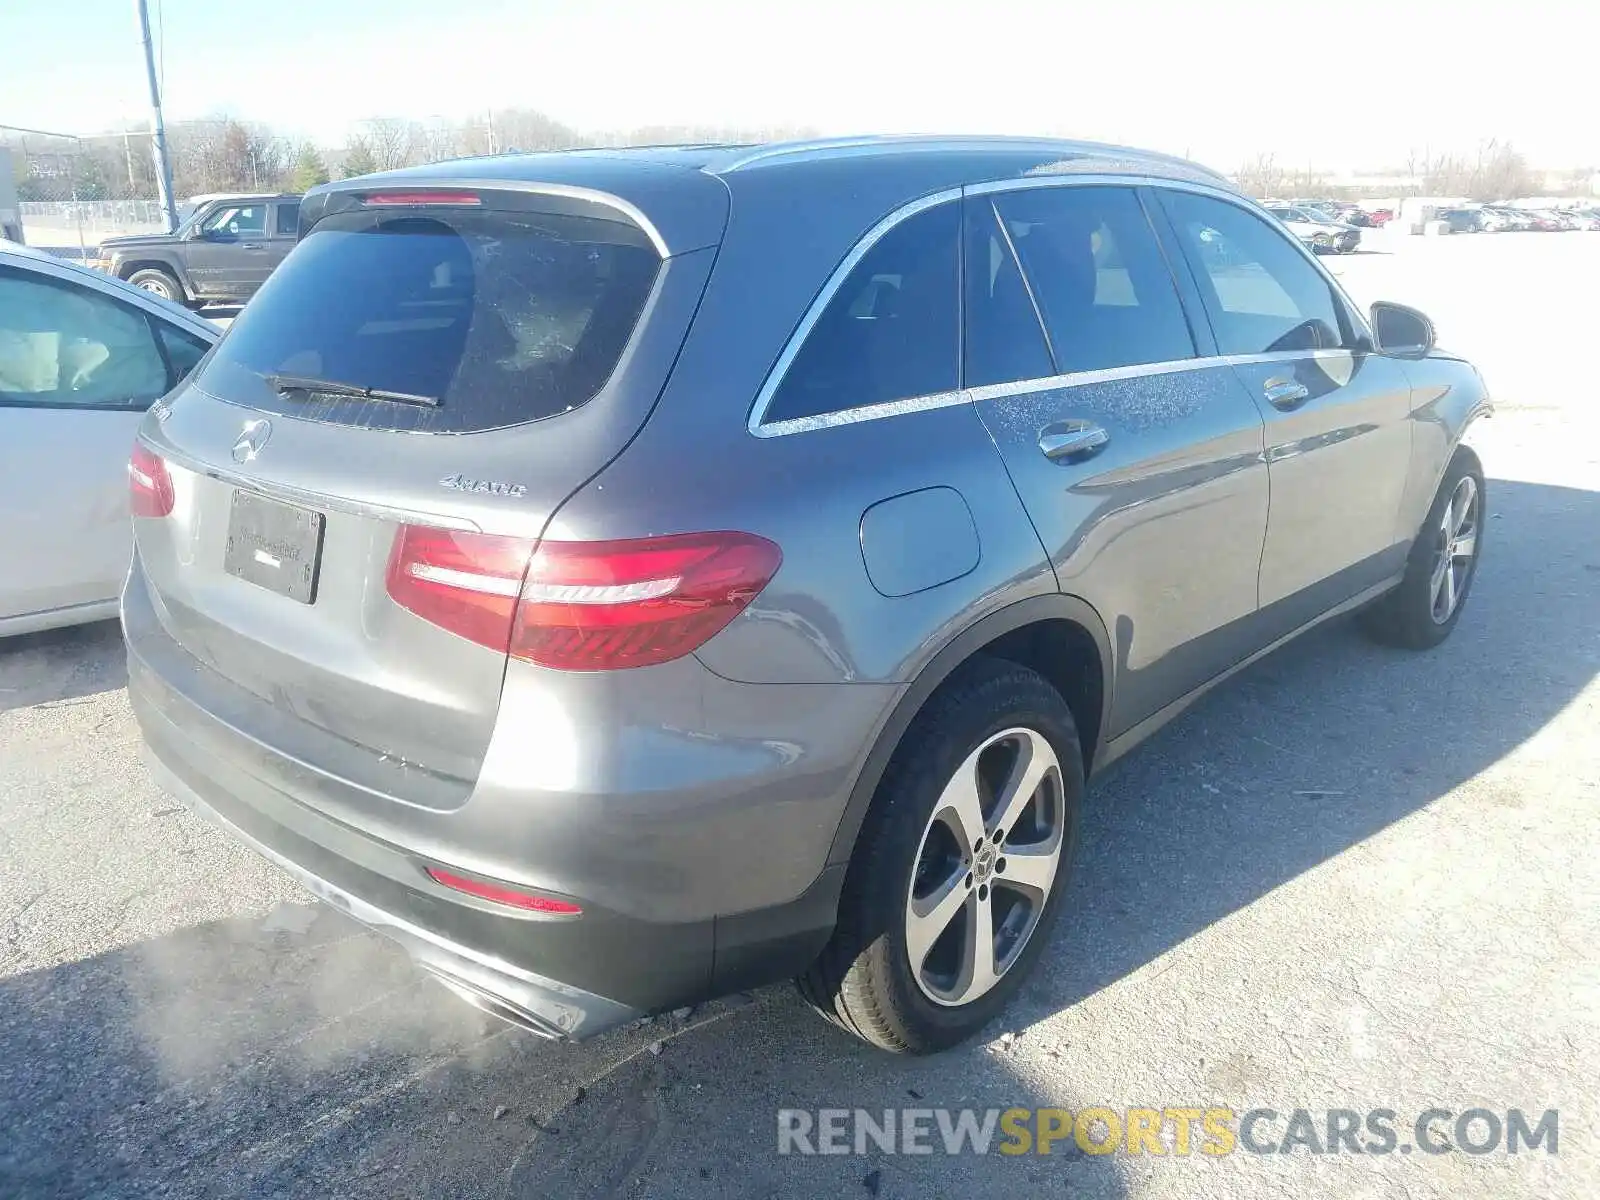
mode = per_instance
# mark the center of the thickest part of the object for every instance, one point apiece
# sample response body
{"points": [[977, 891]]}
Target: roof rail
{"points": [[795, 149], [839, 147]]}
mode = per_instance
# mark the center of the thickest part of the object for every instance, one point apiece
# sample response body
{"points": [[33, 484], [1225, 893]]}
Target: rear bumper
{"points": [[633, 861], [543, 1006]]}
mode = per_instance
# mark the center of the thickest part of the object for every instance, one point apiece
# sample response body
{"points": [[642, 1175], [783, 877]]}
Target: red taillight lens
{"points": [[602, 606], [464, 582], [531, 901], [402, 199], [581, 606], [149, 484]]}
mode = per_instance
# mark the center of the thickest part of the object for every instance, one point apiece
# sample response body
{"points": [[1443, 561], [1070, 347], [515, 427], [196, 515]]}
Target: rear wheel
{"points": [[162, 283], [1421, 612], [960, 866]]}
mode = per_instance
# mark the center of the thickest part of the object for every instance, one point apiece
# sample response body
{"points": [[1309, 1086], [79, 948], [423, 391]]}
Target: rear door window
{"points": [[892, 329], [1004, 339], [1097, 272], [500, 317]]}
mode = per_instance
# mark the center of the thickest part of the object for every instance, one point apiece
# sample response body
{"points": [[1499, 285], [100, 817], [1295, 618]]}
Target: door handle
{"points": [[253, 246], [1285, 393], [1073, 441]]}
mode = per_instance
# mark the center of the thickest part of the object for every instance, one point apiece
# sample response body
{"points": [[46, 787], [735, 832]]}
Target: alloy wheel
{"points": [[1458, 545], [985, 867]]}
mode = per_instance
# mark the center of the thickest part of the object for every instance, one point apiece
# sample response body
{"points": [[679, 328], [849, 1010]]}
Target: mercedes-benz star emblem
{"points": [[251, 440]]}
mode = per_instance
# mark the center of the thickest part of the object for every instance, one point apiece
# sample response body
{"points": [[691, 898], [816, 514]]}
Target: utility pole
{"points": [[127, 154], [158, 129]]}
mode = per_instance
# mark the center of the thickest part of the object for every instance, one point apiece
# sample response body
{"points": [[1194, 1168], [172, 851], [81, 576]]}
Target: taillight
{"points": [[500, 894], [601, 606], [464, 582], [149, 484], [581, 606]]}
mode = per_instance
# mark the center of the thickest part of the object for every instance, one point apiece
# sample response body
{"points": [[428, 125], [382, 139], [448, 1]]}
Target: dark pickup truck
{"points": [[223, 251]]}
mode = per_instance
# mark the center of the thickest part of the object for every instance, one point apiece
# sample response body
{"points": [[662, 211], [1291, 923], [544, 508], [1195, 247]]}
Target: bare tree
{"points": [[1261, 176], [392, 141]]}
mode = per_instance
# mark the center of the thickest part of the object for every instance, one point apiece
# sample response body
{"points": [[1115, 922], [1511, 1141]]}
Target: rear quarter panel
{"points": [[821, 619], [804, 682]]}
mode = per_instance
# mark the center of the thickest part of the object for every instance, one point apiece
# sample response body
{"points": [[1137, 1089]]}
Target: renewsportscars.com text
{"points": [[1177, 1131]]}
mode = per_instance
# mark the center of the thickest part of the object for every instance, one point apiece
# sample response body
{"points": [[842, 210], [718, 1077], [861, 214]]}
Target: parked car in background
{"points": [[224, 251], [1515, 219], [1494, 219], [82, 357], [1588, 219], [1339, 211], [627, 578], [1317, 231], [1379, 217], [1459, 220]]}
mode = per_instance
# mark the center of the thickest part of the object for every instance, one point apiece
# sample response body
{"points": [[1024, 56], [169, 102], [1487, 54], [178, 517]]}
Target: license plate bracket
{"points": [[274, 545]]}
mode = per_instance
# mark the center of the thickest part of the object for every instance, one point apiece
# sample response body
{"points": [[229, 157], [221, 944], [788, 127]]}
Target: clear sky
{"points": [[1334, 82]]}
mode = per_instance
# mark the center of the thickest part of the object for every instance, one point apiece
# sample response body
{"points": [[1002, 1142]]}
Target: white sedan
{"points": [[82, 356]]}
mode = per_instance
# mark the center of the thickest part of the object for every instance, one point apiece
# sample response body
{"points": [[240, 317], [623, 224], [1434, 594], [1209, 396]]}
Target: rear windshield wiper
{"points": [[331, 387]]}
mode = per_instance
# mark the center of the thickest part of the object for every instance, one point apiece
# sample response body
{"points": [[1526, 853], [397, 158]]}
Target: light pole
{"points": [[158, 129]]}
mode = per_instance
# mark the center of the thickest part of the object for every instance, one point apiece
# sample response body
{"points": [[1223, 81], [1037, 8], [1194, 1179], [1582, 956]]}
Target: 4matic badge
{"points": [[482, 487]]}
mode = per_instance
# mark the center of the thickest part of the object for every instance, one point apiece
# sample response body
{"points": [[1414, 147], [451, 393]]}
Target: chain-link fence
{"points": [[68, 193], [77, 224]]}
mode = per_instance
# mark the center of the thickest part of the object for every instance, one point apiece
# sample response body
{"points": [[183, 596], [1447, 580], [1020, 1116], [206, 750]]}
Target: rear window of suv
{"points": [[501, 317]]}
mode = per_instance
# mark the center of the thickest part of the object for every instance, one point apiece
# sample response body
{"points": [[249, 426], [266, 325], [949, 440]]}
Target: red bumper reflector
{"points": [[530, 901]]}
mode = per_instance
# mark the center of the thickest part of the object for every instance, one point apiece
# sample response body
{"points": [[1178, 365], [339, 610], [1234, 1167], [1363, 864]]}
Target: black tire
{"points": [[160, 282], [1406, 617], [863, 979]]}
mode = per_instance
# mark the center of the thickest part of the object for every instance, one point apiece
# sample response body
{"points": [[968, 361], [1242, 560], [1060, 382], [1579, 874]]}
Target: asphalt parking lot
{"points": [[1352, 878]]}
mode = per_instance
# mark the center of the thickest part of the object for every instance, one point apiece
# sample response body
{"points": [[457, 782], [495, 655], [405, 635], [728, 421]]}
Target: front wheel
{"points": [[159, 282], [960, 867], [1421, 612]]}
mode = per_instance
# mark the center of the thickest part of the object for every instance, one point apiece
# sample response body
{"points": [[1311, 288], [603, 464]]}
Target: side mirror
{"points": [[194, 233], [1401, 331]]}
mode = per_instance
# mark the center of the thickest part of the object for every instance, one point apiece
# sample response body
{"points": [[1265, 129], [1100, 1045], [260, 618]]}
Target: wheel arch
{"points": [[1061, 637], [126, 270]]}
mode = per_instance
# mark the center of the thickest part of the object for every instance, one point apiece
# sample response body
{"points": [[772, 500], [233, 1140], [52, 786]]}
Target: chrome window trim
{"points": [[759, 427], [1027, 387], [756, 422], [867, 412]]}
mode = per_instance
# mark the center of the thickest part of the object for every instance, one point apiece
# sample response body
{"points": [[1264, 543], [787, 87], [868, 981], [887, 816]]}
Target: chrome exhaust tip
{"points": [[498, 1006]]}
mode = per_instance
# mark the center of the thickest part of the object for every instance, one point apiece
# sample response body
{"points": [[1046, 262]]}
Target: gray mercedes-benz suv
{"points": [[627, 576]]}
